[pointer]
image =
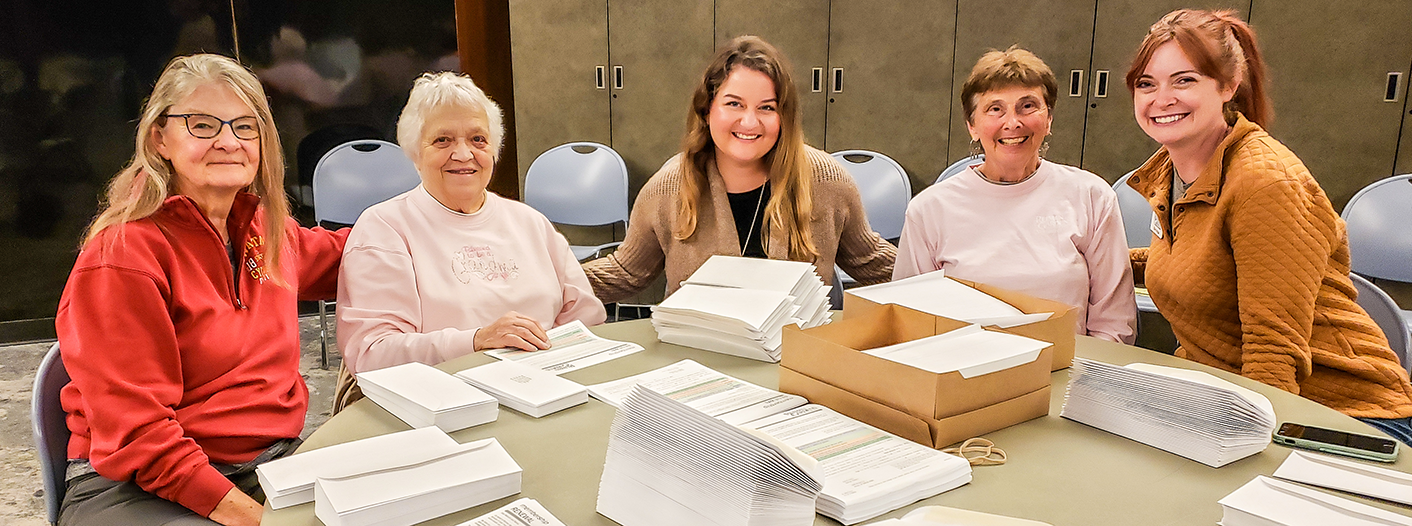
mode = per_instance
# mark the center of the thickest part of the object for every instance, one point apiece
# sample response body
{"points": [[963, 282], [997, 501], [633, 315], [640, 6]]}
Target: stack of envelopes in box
{"points": [[1190, 413], [422, 395]]}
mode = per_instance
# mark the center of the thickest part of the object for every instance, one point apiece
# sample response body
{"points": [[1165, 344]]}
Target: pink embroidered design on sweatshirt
{"points": [[479, 261]]}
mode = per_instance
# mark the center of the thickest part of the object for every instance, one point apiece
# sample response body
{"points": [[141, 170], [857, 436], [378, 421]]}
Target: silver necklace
{"points": [[1005, 183], [751, 232]]}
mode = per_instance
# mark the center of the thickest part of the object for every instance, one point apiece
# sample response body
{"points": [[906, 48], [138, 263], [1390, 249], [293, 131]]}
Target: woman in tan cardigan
{"points": [[745, 184], [1249, 260]]}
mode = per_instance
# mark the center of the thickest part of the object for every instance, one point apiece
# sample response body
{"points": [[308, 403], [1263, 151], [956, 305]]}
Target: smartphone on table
{"points": [[1337, 442]]}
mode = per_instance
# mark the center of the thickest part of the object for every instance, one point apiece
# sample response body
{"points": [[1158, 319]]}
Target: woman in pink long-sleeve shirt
{"points": [[450, 268], [1018, 221]]}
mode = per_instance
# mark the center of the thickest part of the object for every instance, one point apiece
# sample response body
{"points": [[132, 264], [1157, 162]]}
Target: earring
{"points": [[976, 149], [1044, 146]]}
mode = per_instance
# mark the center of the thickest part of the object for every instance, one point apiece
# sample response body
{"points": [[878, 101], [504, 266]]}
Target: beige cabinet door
{"points": [[1059, 32], [890, 67], [800, 29], [557, 49], [1113, 143], [1338, 81], [658, 49]]}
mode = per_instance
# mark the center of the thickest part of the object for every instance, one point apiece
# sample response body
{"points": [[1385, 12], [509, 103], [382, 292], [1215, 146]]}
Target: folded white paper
{"points": [[938, 295], [1347, 475], [422, 395], [970, 350], [534, 392], [473, 474], [571, 347], [290, 480], [1266, 501]]}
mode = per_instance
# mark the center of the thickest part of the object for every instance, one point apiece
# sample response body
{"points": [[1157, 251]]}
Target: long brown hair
{"points": [[791, 206], [139, 189], [1222, 47]]}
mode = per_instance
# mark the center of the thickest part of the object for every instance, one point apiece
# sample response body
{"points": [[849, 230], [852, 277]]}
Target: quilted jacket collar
{"points": [[1154, 180]]}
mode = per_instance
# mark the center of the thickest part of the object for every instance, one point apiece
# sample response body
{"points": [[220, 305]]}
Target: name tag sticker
{"points": [[1156, 226]]}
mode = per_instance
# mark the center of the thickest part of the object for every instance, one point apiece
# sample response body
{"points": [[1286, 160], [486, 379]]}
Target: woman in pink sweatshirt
{"points": [[450, 268]]}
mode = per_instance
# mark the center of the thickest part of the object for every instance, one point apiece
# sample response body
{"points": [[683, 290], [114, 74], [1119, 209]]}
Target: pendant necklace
{"points": [[758, 202]]}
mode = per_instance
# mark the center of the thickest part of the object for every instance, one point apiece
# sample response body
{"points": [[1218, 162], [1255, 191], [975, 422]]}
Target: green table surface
{"points": [[1059, 471]]}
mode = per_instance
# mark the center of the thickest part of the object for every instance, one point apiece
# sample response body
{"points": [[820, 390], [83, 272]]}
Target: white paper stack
{"points": [[422, 395], [290, 480], [1347, 475], [532, 391], [572, 347], [1266, 502], [730, 399], [740, 322], [938, 295], [970, 350], [1189, 413], [472, 474], [669, 464], [523, 512], [798, 279]]}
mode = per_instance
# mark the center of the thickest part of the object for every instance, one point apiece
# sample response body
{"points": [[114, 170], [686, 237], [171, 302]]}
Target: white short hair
{"points": [[434, 90]]}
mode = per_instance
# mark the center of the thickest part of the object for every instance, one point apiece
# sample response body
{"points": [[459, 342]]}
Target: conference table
{"points": [[1059, 471]]}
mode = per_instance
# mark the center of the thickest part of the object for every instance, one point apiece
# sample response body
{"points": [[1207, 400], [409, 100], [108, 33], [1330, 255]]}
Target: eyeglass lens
{"points": [[204, 126]]}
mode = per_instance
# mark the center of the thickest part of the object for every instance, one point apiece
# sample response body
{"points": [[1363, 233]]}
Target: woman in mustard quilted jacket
{"points": [[1249, 260]]}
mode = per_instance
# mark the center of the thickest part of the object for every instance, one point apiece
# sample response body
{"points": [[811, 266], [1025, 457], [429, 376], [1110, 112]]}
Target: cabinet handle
{"points": [[617, 77], [1393, 92], [1076, 83], [818, 80], [599, 73], [838, 80], [1100, 84]]}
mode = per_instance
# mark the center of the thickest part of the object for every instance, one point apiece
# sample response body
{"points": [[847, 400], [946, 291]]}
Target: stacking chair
{"points": [[885, 189], [51, 431], [1379, 219], [1137, 223], [960, 165], [1388, 317], [350, 178], [580, 184]]}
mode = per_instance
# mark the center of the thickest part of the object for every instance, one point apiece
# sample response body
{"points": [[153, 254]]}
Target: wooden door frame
{"points": [[483, 44]]}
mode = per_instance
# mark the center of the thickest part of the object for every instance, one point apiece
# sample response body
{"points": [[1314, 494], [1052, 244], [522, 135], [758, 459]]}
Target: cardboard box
{"points": [[831, 354], [936, 433], [1058, 329]]}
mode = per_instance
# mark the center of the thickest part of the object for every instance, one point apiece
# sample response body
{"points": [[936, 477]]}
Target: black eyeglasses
{"points": [[202, 126]]}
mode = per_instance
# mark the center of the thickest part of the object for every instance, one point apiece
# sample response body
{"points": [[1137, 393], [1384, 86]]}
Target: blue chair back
{"points": [[884, 187], [1388, 317], [1379, 219], [358, 174], [1137, 213], [51, 431], [580, 184], [960, 165]]}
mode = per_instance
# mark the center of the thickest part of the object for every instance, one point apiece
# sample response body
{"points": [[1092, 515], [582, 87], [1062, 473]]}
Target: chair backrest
{"points": [[1388, 317], [960, 165], [358, 174], [1379, 219], [580, 183], [51, 432], [884, 187], [1137, 213]]}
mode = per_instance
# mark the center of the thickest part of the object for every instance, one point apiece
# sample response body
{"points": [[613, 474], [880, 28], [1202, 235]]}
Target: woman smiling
{"points": [[1016, 220]]}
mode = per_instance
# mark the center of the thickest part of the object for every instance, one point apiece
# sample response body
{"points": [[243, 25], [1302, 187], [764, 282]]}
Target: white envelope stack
{"points": [[1189, 413], [1347, 475], [668, 463], [290, 480], [422, 395], [938, 295], [798, 279], [1266, 502], [529, 390], [470, 475]]}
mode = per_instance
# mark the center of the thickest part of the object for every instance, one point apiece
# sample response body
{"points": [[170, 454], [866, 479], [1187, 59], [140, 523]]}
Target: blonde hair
{"points": [[791, 204], [434, 90], [140, 188], [1014, 67]]}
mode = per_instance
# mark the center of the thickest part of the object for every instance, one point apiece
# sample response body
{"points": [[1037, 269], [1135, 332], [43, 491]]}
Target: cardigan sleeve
{"points": [[862, 253], [1280, 253], [640, 258]]}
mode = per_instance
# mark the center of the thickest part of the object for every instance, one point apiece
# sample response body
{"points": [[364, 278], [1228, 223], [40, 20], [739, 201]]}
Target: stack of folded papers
{"points": [[469, 475], [523, 512], [422, 395], [938, 295], [1189, 413], [866, 471], [800, 280], [290, 480], [742, 322], [529, 390], [1347, 475], [1266, 501], [970, 350], [669, 464]]}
